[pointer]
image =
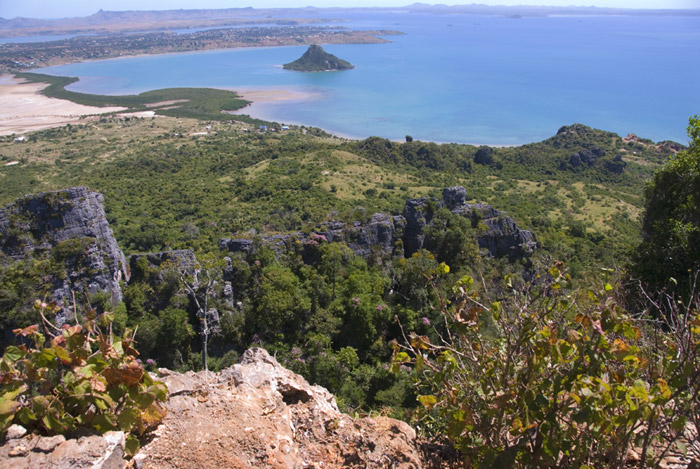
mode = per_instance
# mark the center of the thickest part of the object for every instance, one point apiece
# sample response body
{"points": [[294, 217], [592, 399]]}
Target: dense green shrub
{"points": [[546, 376], [78, 376], [671, 227]]}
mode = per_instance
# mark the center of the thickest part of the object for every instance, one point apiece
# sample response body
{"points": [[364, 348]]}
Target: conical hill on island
{"points": [[315, 59]]}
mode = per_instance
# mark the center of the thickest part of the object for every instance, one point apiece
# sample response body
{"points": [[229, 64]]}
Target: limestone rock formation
{"points": [[69, 226], [418, 214], [500, 236], [259, 414], [183, 259], [55, 452], [384, 234], [380, 231]]}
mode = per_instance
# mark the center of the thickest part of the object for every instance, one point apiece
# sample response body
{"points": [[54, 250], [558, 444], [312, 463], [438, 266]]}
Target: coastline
{"points": [[24, 109], [264, 102]]}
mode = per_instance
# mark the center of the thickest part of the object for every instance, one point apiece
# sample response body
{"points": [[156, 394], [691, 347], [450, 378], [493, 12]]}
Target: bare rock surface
{"points": [[259, 414], [55, 452], [69, 225]]}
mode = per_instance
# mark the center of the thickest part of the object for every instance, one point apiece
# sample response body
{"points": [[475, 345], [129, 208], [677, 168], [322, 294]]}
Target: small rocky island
{"points": [[315, 59]]}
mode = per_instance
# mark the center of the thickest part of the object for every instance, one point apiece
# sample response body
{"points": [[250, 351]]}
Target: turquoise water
{"points": [[458, 78]]}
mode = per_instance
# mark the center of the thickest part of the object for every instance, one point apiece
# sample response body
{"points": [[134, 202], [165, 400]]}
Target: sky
{"points": [[70, 8]]}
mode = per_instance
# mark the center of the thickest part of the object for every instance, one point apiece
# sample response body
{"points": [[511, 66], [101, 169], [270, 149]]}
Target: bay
{"points": [[456, 78]]}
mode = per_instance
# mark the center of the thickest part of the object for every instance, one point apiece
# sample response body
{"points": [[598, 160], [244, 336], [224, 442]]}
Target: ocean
{"points": [[456, 78]]}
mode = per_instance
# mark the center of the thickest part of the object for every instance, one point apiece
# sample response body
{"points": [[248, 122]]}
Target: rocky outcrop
{"points": [[403, 234], [378, 235], [418, 214], [236, 245], [497, 233], [380, 232], [56, 452], [253, 414], [69, 226], [183, 259], [259, 414]]}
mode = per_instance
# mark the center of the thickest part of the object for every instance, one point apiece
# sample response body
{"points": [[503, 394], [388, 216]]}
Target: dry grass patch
{"points": [[252, 172]]}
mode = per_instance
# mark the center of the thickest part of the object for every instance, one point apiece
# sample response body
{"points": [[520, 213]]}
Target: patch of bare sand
{"points": [[166, 103], [270, 95], [24, 109]]}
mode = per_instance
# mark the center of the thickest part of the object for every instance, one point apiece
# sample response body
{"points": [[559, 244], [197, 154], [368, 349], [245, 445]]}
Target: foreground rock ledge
{"points": [[259, 414], [254, 414]]}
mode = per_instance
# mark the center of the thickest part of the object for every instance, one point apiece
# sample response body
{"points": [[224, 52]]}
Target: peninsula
{"points": [[315, 59]]}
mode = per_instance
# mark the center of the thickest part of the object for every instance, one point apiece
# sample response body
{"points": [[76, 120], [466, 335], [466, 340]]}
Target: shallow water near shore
{"points": [[456, 78]]}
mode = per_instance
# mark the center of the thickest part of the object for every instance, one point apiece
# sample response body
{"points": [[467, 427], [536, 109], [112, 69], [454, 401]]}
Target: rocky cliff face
{"points": [[404, 234], [68, 226]]}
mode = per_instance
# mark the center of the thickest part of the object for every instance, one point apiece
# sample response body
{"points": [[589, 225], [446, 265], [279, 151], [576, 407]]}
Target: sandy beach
{"points": [[24, 109]]}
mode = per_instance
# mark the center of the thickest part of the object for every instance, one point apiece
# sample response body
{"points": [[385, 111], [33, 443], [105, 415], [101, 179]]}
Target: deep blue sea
{"points": [[457, 78]]}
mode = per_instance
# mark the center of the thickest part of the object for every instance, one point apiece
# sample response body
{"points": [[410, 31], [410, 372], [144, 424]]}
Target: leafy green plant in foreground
{"points": [[79, 377], [549, 377]]}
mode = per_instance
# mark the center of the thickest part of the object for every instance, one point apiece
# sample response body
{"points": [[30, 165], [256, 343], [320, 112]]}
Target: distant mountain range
{"points": [[170, 19]]}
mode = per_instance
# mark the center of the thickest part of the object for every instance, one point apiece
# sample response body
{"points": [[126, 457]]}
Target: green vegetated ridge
{"points": [[197, 103], [158, 175], [338, 319], [315, 59]]}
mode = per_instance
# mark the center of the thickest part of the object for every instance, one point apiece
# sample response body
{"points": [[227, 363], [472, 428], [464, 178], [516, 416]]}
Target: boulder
{"points": [[259, 414], [56, 452], [503, 238]]}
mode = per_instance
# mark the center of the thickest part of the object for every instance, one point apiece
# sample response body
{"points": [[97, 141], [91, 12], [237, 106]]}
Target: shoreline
{"points": [[264, 100], [24, 109]]}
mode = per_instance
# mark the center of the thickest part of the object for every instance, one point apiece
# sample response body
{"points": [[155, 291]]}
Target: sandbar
{"points": [[264, 101], [271, 95], [24, 109]]}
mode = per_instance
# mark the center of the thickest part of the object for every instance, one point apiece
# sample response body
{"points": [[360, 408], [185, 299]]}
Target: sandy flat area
{"points": [[23, 109], [271, 95], [266, 101]]}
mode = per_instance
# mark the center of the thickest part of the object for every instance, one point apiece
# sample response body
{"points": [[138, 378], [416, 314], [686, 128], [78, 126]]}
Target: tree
{"points": [[282, 306], [199, 284], [670, 248]]}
